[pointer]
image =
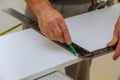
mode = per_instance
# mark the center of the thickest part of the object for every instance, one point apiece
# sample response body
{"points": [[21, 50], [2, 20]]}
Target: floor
{"points": [[103, 68]]}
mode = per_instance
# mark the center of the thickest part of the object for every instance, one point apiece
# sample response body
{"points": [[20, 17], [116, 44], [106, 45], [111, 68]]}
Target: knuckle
{"points": [[59, 18]]}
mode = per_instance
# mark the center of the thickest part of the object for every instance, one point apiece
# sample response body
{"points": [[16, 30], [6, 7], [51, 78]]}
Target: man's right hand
{"points": [[51, 22]]}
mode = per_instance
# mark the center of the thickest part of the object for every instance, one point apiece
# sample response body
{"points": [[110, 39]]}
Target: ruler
{"points": [[83, 53]]}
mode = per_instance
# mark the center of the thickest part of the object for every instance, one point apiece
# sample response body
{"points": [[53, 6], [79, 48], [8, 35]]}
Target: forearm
{"points": [[38, 6], [50, 21]]}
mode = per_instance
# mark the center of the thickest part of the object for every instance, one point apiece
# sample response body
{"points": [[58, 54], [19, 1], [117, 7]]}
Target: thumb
{"points": [[117, 52], [113, 42]]}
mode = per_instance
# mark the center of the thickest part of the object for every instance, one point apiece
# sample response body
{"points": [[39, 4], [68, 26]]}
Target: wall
{"points": [[7, 21]]}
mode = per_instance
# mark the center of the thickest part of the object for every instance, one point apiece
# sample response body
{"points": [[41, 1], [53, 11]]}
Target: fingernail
{"points": [[115, 57], [69, 42], [108, 44]]}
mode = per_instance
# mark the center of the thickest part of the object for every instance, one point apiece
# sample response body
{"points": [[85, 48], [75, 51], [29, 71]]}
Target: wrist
{"points": [[39, 7], [43, 9]]}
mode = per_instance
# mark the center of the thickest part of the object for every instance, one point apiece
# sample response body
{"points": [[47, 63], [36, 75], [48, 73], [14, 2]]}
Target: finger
{"points": [[117, 52], [113, 41], [47, 31], [115, 35], [65, 31], [47, 35], [58, 33], [52, 35], [117, 24]]}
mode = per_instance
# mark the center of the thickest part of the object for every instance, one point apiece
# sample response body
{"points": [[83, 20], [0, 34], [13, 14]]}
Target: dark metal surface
{"points": [[83, 53], [100, 5], [70, 2]]}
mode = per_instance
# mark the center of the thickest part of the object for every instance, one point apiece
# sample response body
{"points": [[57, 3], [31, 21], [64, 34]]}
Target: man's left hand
{"points": [[116, 40]]}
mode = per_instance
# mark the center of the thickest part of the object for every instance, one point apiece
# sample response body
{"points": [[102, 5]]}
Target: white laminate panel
{"points": [[27, 52], [93, 30]]}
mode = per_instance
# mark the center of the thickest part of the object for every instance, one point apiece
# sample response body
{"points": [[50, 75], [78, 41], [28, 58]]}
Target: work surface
{"points": [[94, 30], [27, 54]]}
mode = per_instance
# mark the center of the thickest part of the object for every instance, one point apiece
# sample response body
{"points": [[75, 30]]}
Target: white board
{"points": [[94, 30], [26, 53]]}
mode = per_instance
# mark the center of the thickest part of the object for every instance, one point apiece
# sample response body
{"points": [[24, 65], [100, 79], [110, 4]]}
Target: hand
{"points": [[116, 40], [52, 24]]}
